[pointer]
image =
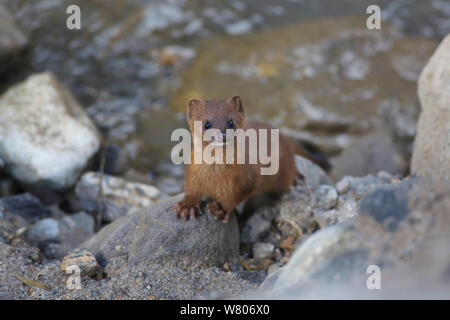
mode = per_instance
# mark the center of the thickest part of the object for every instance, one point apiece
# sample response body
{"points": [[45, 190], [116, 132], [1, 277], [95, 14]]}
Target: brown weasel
{"points": [[230, 184]]}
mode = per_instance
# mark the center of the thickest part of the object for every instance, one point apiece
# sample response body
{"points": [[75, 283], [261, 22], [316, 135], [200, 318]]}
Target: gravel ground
{"points": [[120, 281]]}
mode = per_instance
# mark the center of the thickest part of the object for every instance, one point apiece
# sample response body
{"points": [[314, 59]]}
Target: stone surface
{"points": [[12, 40], [258, 225], [296, 212], [116, 159], [81, 220], [46, 138], [17, 213], [119, 197], [84, 260], [262, 250], [45, 229], [270, 280], [345, 209], [314, 175], [156, 236], [431, 154], [74, 230], [24, 205], [326, 197]]}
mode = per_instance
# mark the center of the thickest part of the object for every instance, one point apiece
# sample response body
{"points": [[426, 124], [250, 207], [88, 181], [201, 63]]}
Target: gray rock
{"points": [[53, 249], [116, 159], [170, 185], [12, 40], [326, 196], [258, 225], [314, 175], [17, 213], [254, 276], [343, 186], [39, 119], [24, 205], [83, 221], [431, 154], [119, 197], [271, 279], [345, 209], [263, 250], [45, 229], [296, 212], [368, 155], [74, 230], [156, 236], [273, 268]]}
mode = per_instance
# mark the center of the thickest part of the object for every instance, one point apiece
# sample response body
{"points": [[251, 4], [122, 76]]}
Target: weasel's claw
{"points": [[227, 217], [185, 211], [219, 213]]}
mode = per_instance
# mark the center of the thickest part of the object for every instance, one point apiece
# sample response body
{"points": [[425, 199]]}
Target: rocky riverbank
{"points": [[57, 208]]}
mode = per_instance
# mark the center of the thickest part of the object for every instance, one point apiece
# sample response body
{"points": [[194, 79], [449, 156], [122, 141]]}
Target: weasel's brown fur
{"points": [[230, 184]]}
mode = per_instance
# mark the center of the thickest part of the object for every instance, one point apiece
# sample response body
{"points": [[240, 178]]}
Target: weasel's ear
{"points": [[193, 106], [237, 104]]}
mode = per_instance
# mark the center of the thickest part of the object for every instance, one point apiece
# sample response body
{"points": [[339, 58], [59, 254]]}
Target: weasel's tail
{"points": [[318, 158]]}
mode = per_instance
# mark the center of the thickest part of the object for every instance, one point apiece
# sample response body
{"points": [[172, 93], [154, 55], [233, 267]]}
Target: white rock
{"points": [[46, 138], [326, 196], [343, 186], [263, 250], [431, 154]]}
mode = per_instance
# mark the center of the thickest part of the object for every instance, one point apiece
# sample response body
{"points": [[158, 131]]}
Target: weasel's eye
{"points": [[207, 125], [231, 124]]}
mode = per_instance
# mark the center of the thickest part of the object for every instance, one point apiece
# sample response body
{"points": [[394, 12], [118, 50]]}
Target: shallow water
{"points": [[117, 65]]}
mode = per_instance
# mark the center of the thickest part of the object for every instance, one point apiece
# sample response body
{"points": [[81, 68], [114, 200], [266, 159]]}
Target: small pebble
{"points": [[84, 259], [327, 197], [262, 250]]}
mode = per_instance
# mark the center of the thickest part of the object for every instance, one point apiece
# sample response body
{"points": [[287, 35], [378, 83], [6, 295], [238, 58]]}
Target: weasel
{"points": [[230, 184]]}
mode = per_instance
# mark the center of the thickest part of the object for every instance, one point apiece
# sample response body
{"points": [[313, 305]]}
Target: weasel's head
{"points": [[216, 116]]}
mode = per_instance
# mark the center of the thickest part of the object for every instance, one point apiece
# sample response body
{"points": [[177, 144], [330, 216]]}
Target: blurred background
{"points": [[311, 68]]}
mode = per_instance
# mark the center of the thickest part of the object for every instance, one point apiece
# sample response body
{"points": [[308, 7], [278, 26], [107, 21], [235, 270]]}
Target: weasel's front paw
{"points": [[216, 209], [185, 209]]}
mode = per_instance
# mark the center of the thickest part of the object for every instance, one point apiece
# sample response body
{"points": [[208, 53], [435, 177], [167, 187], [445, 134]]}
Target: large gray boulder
{"points": [[46, 138], [155, 236], [403, 226], [431, 155], [12, 40]]}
